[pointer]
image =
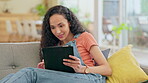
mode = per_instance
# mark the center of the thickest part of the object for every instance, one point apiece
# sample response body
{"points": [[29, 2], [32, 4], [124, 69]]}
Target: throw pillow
{"points": [[125, 68], [106, 52]]}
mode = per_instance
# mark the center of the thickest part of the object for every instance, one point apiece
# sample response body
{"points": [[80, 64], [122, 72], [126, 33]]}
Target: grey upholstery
{"points": [[15, 56], [142, 58]]}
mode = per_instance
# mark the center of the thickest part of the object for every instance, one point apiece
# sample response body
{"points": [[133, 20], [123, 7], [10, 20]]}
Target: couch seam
{"points": [[12, 54]]}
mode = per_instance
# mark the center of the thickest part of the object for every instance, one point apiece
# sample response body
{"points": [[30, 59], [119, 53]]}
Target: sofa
{"points": [[15, 56]]}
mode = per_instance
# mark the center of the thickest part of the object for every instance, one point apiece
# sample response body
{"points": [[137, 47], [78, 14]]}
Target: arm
{"points": [[103, 68], [90, 44]]}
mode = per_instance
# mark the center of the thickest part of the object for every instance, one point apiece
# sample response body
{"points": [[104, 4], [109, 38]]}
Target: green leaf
{"points": [[118, 29], [41, 9]]}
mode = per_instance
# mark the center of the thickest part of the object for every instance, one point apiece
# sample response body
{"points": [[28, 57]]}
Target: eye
{"points": [[61, 26], [52, 27]]}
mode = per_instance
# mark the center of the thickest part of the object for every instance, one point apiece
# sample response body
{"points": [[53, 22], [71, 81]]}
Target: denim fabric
{"points": [[35, 75]]}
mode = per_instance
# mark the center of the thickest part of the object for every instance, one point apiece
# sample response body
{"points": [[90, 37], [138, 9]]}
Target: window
{"points": [[138, 18], [84, 10], [110, 18]]}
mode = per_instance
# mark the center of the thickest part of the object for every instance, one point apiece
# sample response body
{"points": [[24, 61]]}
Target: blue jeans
{"points": [[35, 75]]}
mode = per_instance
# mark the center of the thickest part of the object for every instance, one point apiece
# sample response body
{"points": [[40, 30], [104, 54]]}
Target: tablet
{"points": [[53, 58]]}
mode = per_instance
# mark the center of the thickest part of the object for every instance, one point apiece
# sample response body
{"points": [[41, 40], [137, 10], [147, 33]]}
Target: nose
{"points": [[58, 30]]}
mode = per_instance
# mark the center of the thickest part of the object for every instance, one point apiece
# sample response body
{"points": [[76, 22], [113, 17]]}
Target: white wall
{"points": [[86, 6], [19, 6]]}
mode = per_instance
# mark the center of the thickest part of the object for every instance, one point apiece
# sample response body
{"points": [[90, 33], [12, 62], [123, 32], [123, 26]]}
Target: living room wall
{"points": [[18, 6]]}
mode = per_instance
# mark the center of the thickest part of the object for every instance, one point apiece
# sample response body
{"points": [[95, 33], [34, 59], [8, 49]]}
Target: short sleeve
{"points": [[88, 41]]}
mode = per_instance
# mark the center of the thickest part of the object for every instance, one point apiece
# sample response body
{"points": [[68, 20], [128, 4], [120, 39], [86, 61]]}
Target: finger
{"points": [[43, 60], [75, 58], [70, 64], [67, 64], [71, 61], [41, 63]]}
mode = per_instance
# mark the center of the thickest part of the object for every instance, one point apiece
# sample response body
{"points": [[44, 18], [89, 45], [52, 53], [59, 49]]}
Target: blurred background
{"points": [[114, 23]]}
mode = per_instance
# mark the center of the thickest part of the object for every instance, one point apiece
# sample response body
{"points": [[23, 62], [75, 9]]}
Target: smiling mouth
{"points": [[60, 36]]}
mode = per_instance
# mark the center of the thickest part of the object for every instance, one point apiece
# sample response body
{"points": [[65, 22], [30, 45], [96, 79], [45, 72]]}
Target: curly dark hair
{"points": [[48, 39]]}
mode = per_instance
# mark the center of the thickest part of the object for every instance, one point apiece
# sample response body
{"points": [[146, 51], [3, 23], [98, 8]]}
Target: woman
{"points": [[61, 27]]}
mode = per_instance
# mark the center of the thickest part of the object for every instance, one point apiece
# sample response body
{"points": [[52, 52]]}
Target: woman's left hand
{"points": [[75, 63]]}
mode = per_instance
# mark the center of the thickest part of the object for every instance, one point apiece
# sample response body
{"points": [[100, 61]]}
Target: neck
{"points": [[70, 37]]}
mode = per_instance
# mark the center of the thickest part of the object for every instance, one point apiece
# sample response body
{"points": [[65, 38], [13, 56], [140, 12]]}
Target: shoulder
{"points": [[86, 34], [87, 40], [85, 37]]}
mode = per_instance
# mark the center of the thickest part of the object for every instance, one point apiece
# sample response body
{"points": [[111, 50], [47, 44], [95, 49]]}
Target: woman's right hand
{"points": [[41, 65]]}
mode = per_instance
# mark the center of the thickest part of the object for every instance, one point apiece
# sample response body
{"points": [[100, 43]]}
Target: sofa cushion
{"points": [[125, 67], [15, 56], [106, 52]]}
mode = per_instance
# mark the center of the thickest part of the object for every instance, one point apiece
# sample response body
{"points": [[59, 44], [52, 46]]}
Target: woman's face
{"points": [[60, 28]]}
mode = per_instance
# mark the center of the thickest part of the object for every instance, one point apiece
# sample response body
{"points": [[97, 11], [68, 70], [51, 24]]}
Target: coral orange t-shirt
{"points": [[84, 42]]}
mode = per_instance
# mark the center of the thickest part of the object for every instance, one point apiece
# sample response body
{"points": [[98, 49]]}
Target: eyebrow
{"points": [[58, 24]]}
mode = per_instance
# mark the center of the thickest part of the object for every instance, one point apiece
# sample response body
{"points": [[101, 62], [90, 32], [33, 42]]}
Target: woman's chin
{"points": [[61, 38]]}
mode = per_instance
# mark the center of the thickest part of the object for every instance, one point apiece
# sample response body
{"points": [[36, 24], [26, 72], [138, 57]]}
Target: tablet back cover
{"points": [[53, 58]]}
